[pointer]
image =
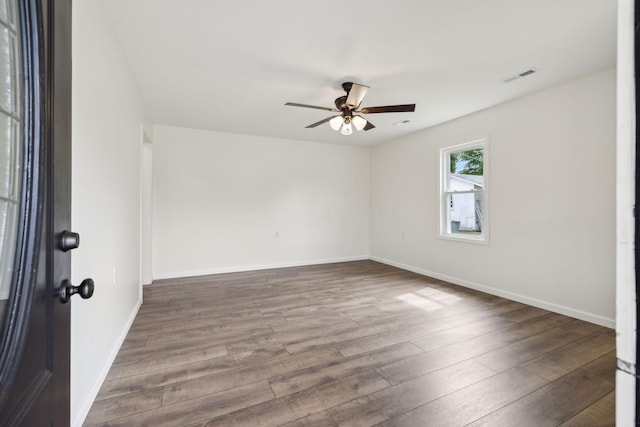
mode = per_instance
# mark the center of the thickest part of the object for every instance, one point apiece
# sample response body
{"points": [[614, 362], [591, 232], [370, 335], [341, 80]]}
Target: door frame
{"points": [[146, 207], [626, 261]]}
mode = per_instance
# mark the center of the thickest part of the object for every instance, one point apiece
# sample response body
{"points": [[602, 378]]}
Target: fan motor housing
{"points": [[347, 86], [341, 103]]}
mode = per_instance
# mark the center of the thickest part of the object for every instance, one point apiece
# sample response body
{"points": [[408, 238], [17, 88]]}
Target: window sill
{"points": [[478, 240]]}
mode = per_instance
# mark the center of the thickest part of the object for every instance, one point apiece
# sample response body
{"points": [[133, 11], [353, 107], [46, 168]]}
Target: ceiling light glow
{"points": [[346, 129], [336, 122], [359, 122]]}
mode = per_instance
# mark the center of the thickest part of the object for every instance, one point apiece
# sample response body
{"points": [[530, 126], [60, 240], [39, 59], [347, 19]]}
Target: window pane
{"points": [[465, 213], [9, 157], [4, 15], [8, 212], [7, 70], [470, 162]]}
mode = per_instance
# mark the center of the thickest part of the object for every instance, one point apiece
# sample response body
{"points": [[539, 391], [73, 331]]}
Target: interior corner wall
{"points": [[227, 202], [552, 200], [106, 121]]}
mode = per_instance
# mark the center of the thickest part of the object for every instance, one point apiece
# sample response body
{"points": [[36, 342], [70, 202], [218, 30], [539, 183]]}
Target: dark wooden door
{"points": [[34, 352]]}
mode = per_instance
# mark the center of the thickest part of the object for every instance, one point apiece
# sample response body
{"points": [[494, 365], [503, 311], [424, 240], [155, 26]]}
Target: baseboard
{"points": [[91, 396], [556, 308], [238, 269]]}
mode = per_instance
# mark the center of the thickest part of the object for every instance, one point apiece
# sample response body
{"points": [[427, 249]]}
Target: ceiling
{"points": [[230, 66]]}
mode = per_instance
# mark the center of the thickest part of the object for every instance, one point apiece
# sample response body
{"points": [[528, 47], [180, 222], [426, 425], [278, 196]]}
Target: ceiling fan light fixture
{"points": [[349, 104], [359, 122], [346, 129], [336, 122]]}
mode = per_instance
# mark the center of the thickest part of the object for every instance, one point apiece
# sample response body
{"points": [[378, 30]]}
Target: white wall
{"points": [[552, 168], [107, 116], [227, 202]]}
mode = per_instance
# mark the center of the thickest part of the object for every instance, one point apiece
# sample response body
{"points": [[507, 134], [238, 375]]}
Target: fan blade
{"points": [[312, 125], [294, 104], [369, 125], [405, 108], [356, 94]]}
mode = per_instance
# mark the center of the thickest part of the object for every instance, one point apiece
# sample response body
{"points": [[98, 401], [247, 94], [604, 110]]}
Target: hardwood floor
{"points": [[352, 344]]}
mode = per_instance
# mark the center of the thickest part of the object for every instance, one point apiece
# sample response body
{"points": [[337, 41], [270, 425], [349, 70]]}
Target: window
{"points": [[463, 195]]}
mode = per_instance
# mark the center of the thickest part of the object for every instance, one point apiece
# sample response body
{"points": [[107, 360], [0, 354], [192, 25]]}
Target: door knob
{"points": [[69, 240], [66, 290]]}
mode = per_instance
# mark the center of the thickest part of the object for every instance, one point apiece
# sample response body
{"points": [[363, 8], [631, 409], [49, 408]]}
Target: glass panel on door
{"points": [[11, 148]]}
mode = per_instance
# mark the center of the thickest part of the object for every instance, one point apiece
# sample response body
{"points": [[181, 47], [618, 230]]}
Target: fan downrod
{"points": [[341, 102]]}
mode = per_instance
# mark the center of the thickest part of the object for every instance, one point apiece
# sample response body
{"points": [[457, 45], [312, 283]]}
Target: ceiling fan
{"points": [[348, 106]]}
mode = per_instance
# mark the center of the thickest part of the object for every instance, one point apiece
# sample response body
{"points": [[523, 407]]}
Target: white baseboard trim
{"points": [[556, 308], [81, 416], [238, 269]]}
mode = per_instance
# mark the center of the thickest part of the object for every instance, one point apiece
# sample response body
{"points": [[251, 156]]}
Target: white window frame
{"points": [[444, 206]]}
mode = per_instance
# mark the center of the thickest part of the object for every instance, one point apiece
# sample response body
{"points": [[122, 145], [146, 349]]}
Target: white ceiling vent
{"points": [[520, 75]]}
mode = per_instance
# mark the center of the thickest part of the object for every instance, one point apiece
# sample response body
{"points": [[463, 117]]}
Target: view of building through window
{"points": [[464, 188]]}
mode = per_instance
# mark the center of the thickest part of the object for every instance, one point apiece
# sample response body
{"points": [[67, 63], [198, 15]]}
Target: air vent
{"points": [[520, 75]]}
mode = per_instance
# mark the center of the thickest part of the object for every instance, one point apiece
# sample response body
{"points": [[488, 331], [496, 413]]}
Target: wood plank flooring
{"points": [[352, 344]]}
